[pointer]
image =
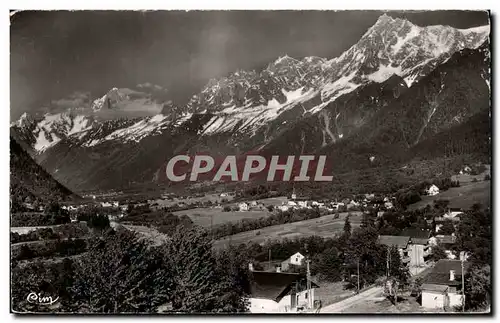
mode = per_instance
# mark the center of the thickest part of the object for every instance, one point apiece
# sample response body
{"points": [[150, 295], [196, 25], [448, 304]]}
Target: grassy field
{"points": [[466, 179], [460, 197], [206, 216], [382, 305], [330, 293], [215, 198], [325, 226], [26, 230]]}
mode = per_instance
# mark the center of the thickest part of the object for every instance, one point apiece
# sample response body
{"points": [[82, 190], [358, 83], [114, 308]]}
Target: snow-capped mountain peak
{"points": [[24, 121], [251, 100], [109, 100]]}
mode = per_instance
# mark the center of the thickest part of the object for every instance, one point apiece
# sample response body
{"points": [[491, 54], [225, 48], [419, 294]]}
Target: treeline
{"points": [[48, 249], [34, 219], [164, 221], [65, 231], [413, 194], [279, 217], [123, 273]]}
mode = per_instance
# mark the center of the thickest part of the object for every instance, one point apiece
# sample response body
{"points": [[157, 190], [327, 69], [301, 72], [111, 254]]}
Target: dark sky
{"points": [[54, 54]]}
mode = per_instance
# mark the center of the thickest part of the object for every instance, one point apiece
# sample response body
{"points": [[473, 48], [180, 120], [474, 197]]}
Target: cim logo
{"points": [[39, 299]]}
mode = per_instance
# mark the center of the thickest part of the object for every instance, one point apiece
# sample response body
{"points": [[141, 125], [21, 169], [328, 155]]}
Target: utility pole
{"points": [[388, 263], [211, 229], [310, 301], [463, 282], [269, 258], [358, 275]]}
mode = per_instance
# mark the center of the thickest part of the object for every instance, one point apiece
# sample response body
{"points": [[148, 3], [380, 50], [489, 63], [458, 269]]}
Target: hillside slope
{"points": [[29, 181]]}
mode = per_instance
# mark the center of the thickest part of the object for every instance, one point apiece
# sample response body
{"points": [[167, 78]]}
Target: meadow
{"points": [[325, 226], [462, 197], [206, 217]]}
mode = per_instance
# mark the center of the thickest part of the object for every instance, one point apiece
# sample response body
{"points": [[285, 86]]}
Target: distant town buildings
{"points": [[432, 190], [243, 206]]}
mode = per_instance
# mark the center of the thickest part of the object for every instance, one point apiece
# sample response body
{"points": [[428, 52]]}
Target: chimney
{"points": [[452, 275], [250, 266]]}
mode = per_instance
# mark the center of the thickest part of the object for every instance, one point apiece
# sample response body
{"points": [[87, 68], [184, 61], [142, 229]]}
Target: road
{"points": [[348, 302]]}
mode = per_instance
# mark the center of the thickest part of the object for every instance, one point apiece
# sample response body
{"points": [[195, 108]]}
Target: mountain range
{"points": [[379, 102]]}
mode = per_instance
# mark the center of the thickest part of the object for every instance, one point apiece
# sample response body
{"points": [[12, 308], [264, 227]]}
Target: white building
{"points": [[302, 203], [283, 208], [278, 292], [442, 287], [297, 259], [432, 190], [243, 206], [451, 213], [318, 204]]}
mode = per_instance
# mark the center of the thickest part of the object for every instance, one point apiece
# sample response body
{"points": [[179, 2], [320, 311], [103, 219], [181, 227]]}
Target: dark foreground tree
{"points": [[200, 284], [232, 268], [478, 288], [397, 268], [347, 228], [121, 273]]}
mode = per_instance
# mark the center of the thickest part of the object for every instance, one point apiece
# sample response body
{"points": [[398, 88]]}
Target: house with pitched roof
{"points": [[418, 247], [442, 287], [432, 190], [278, 292], [399, 242], [296, 259]]}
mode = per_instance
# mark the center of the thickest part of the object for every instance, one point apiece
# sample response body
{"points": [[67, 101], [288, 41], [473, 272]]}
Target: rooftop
{"points": [[440, 274], [398, 241], [416, 233], [274, 286]]}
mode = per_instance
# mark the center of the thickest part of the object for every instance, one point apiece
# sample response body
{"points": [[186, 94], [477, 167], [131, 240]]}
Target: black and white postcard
{"points": [[263, 162]]}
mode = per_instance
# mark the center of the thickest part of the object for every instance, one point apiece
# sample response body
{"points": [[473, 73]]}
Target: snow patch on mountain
{"points": [[384, 72], [250, 118], [42, 143], [402, 41], [135, 132], [23, 120]]}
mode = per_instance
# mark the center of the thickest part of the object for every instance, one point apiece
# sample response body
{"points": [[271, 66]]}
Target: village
{"points": [[284, 282]]}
